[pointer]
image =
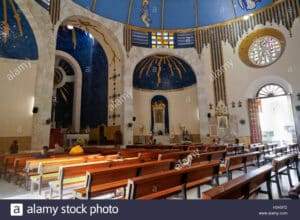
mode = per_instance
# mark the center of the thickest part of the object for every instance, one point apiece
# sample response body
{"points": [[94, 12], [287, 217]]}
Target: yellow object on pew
{"points": [[76, 150]]}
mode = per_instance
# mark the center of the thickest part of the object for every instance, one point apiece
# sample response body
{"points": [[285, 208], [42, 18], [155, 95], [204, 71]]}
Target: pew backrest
{"points": [[241, 187], [163, 184]]}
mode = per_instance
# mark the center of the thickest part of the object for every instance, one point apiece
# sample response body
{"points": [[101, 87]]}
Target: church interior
{"points": [[150, 99]]}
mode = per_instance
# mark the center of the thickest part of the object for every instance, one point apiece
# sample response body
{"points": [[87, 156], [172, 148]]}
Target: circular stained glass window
{"points": [[264, 51]]}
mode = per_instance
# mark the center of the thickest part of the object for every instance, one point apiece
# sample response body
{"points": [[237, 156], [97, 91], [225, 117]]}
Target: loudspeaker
{"points": [[209, 115], [134, 119], [35, 110]]}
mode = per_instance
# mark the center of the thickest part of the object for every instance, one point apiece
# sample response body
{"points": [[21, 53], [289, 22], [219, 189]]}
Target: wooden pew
{"points": [[18, 166], [111, 179], [282, 166], [48, 170], [74, 175], [244, 186], [8, 161], [239, 162], [32, 165], [209, 156], [235, 149], [293, 148], [215, 148], [174, 155], [294, 193], [165, 184]]}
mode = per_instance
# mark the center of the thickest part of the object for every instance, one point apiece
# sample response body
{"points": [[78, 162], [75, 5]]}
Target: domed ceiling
{"points": [[17, 40], [163, 72], [172, 14]]}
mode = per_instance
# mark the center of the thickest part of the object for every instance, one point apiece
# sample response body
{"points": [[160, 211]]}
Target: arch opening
{"points": [[275, 115], [164, 89]]}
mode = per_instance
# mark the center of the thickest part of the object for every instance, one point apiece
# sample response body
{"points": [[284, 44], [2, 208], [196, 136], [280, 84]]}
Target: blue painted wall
{"points": [[169, 81], [177, 14], [93, 62], [17, 46]]}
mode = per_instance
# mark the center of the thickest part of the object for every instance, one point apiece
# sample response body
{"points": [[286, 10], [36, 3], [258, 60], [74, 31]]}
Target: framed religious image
{"points": [[222, 122]]}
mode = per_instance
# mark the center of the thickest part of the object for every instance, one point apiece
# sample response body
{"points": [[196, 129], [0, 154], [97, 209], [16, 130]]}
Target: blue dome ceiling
{"points": [[17, 40], [163, 72], [172, 14]]}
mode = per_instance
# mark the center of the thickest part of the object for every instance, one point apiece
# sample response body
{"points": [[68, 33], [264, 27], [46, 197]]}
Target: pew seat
{"points": [[110, 179], [282, 166], [294, 193], [244, 186], [74, 175], [165, 184]]}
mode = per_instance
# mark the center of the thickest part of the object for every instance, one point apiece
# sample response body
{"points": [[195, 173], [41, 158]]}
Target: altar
{"points": [[70, 139], [162, 139]]}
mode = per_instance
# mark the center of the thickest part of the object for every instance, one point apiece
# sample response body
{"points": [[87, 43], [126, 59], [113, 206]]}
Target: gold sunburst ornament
{"points": [[174, 64], [5, 25]]}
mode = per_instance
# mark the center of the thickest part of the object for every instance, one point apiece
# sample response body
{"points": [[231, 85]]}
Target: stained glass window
{"points": [[271, 90], [265, 51], [162, 40]]}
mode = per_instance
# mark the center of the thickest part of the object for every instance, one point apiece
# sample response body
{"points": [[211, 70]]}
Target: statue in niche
{"points": [[158, 109], [145, 15]]}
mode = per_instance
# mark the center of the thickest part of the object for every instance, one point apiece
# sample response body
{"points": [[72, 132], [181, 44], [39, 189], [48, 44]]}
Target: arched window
{"points": [[271, 90]]}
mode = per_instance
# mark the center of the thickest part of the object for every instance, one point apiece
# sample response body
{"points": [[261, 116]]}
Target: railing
{"points": [[44, 3]]}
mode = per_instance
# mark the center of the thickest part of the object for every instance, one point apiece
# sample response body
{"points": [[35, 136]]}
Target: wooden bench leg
{"points": [[289, 176], [40, 186], [245, 168], [51, 193], [217, 180], [297, 171], [229, 175], [269, 189], [184, 192], [278, 186], [61, 193], [199, 191]]}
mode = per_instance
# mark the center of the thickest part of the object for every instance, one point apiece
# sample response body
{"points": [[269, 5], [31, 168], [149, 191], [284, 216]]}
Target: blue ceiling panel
{"points": [[174, 14], [183, 10], [116, 9], [216, 11]]}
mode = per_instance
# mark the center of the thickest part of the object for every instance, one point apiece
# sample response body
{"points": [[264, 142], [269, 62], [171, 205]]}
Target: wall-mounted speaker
{"points": [[35, 110], [134, 119], [208, 115]]}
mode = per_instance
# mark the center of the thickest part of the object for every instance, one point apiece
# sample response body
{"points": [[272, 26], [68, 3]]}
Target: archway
{"points": [[68, 82], [165, 85], [80, 97], [276, 115]]}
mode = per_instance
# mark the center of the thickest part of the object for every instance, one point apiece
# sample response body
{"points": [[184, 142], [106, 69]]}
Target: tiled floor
{"points": [[11, 191]]}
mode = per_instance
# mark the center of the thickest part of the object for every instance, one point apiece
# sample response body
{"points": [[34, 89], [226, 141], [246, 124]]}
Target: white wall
{"points": [[242, 81], [17, 97], [183, 109]]}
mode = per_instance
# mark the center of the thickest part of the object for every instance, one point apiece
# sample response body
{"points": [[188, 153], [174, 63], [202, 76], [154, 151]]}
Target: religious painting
{"points": [[158, 115], [222, 122]]}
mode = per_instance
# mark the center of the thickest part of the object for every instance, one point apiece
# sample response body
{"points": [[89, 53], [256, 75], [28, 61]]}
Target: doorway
{"points": [[276, 115]]}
